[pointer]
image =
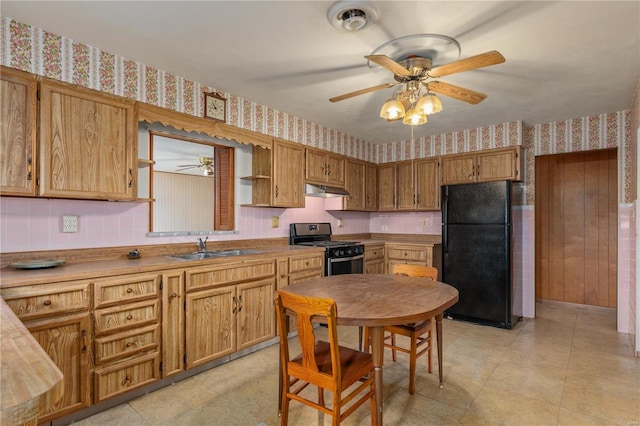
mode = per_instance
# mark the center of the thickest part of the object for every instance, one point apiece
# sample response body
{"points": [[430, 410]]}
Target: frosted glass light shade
{"points": [[392, 110], [429, 104], [414, 118]]}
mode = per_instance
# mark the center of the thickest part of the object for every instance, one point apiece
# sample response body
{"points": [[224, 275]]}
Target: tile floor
{"points": [[568, 366]]}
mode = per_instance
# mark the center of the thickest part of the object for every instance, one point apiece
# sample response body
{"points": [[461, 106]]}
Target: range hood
{"points": [[312, 190]]}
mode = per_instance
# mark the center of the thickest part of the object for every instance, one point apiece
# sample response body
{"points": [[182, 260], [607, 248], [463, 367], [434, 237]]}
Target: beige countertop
{"points": [[30, 380], [11, 277]]}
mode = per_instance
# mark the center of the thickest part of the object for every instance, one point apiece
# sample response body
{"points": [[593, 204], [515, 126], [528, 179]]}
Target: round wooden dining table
{"points": [[374, 301]]}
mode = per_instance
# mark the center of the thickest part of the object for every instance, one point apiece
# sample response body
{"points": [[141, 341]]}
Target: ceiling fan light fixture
{"points": [[352, 16], [413, 117], [429, 104], [392, 110], [207, 171]]}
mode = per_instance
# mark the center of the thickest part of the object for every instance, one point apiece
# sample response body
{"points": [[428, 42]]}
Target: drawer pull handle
{"points": [[84, 341], [126, 381], [129, 317], [129, 290], [174, 295], [46, 302]]}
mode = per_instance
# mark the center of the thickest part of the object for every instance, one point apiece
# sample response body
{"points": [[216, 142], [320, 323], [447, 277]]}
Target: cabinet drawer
{"points": [[407, 253], [198, 278], [122, 377], [129, 289], [297, 264], [374, 252], [38, 301], [122, 345], [118, 318]]}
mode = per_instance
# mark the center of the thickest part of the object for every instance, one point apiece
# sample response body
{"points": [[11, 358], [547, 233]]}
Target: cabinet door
{"points": [[371, 187], [86, 144], [498, 165], [405, 184], [374, 267], [66, 341], [458, 169], [288, 175], [315, 166], [354, 184], [210, 323], [427, 184], [256, 312], [172, 323], [386, 187], [335, 170], [17, 132]]}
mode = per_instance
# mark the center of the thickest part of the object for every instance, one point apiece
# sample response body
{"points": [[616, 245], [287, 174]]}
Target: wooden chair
{"points": [[419, 333], [346, 372]]}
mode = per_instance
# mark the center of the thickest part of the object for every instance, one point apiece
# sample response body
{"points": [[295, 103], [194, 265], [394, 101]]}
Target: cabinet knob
{"points": [[46, 302], [129, 290], [173, 295], [129, 344], [129, 317]]}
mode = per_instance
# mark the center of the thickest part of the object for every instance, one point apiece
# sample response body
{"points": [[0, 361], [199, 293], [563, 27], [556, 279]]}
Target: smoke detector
{"points": [[352, 16]]}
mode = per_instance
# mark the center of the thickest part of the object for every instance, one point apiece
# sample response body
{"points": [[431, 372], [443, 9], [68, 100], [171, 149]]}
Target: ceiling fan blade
{"points": [[479, 61], [456, 92], [390, 64], [361, 92]]}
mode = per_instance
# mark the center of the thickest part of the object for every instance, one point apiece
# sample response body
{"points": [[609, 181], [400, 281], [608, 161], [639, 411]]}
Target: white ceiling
{"points": [[563, 59]]}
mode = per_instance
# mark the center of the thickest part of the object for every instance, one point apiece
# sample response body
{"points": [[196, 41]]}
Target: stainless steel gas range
{"points": [[341, 257]]}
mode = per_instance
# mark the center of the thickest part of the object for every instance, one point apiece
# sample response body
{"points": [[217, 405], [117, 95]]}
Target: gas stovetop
{"points": [[319, 235]]}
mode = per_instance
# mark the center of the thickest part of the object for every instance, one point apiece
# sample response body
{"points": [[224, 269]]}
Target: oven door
{"points": [[345, 265]]}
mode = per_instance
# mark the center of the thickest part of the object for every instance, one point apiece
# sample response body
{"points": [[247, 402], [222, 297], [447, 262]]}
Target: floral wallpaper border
{"points": [[37, 51]]}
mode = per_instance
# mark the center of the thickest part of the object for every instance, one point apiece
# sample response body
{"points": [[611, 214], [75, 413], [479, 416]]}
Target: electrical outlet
{"points": [[69, 223], [339, 223], [275, 221], [425, 222]]}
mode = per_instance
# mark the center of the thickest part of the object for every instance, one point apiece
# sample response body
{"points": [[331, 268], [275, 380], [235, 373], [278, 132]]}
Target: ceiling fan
{"points": [[205, 164], [416, 74]]}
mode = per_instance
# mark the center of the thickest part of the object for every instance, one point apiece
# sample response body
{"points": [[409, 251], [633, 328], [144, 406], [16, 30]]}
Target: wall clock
{"points": [[215, 107]]}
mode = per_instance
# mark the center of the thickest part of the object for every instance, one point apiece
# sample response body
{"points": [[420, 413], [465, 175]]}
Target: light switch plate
{"points": [[275, 221], [69, 223]]}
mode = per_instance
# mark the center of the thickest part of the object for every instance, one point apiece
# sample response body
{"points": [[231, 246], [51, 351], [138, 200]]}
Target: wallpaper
{"points": [[40, 52]]}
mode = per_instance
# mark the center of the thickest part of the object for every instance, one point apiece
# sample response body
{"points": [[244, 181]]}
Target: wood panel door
{"points": [[288, 175], [576, 228]]}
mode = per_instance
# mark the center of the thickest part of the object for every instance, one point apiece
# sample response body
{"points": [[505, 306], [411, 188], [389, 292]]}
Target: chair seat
{"points": [[414, 327], [354, 364]]}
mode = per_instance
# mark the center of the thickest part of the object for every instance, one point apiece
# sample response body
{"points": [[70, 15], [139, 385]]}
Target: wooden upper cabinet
{"points": [[483, 166], [386, 187], [324, 167], [405, 186], [288, 175], [417, 185], [501, 164], [18, 103], [88, 143], [371, 187], [427, 184], [355, 185]]}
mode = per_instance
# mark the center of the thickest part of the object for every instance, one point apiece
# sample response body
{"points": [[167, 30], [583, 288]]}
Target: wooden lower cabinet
{"points": [[66, 340], [127, 334], [118, 378], [173, 307], [58, 317], [414, 254], [374, 258], [228, 308]]}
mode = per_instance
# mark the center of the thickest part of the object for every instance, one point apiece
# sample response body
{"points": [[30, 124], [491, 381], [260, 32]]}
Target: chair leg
{"points": [[320, 396], [393, 349], [373, 405], [429, 351], [412, 363], [284, 412], [335, 420]]}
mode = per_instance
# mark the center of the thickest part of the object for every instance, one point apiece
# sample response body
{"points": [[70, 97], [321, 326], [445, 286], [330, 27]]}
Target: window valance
{"points": [[190, 123]]}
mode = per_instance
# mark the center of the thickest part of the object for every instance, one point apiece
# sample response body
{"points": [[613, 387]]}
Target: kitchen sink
{"points": [[199, 255]]}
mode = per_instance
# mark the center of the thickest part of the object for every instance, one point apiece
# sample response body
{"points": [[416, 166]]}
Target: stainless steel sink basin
{"points": [[212, 254]]}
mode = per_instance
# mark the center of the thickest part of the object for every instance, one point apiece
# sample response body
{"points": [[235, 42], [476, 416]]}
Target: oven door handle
{"points": [[345, 259]]}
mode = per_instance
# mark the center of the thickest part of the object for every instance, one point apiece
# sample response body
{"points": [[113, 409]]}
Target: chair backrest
{"points": [[416, 271], [305, 309]]}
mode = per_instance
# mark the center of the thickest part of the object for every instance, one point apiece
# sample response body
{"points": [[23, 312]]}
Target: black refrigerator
{"points": [[477, 252]]}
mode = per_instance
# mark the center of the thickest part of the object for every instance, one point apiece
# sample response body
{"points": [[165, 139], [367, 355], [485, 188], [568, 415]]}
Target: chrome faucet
{"points": [[202, 245]]}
